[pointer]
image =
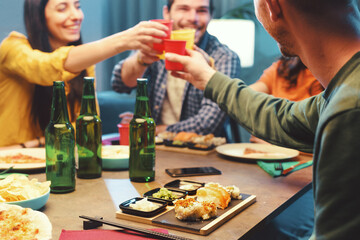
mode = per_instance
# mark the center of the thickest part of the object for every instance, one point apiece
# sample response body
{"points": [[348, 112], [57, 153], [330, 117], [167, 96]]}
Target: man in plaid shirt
{"points": [[177, 105]]}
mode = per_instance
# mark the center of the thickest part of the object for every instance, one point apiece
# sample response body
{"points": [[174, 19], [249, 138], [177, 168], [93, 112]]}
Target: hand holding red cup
{"points": [[178, 47], [160, 46]]}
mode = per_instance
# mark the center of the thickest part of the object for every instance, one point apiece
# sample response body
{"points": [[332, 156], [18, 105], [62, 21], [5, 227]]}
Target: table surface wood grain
{"points": [[102, 196]]}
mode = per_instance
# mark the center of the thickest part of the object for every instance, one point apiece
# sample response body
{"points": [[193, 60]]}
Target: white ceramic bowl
{"points": [[115, 157], [34, 203]]}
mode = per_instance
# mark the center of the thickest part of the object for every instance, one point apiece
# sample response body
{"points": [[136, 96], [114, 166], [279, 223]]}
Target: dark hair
{"points": [[211, 5], [289, 68], [38, 36]]}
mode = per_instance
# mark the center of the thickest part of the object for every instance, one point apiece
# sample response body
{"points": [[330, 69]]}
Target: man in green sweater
{"points": [[325, 34]]}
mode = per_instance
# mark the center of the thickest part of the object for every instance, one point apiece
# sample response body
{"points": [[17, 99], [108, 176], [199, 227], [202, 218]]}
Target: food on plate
{"points": [[16, 187], [20, 158], [215, 194], [250, 151], [232, 190], [145, 205], [257, 153], [191, 210], [23, 223], [201, 146], [159, 140], [164, 193], [191, 140], [206, 141], [184, 136], [177, 143], [167, 135], [115, 152], [207, 200], [189, 187]]}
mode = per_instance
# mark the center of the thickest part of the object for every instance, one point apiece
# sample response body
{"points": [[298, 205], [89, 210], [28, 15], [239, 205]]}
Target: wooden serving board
{"points": [[167, 219], [184, 150]]}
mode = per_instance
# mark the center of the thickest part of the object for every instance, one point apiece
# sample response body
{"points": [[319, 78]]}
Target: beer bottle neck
{"points": [[88, 103], [59, 112], [142, 107]]}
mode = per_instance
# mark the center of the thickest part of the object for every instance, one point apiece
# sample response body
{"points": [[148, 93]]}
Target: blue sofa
{"points": [[111, 105]]}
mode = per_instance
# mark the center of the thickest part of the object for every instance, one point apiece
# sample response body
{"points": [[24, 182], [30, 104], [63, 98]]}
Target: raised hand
{"points": [[126, 117], [142, 35], [196, 69]]}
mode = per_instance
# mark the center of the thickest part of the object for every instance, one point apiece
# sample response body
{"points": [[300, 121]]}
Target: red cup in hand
{"points": [[178, 47]]}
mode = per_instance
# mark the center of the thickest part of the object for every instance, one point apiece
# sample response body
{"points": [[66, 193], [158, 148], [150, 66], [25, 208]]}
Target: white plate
{"points": [[34, 152], [115, 157], [35, 218], [272, 152]]}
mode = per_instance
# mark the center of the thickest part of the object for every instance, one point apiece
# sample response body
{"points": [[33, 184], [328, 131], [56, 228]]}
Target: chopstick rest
{"points": [[90, 224]]}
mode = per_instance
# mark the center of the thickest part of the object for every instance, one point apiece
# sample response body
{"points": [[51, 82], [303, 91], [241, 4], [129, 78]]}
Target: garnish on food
{"points": [[164, 193]]}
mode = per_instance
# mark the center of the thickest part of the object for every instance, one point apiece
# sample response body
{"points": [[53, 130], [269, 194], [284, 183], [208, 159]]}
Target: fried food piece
{"points": [[191, 210], [185, 136], [233, 190], [17, 187], [215, 194]]}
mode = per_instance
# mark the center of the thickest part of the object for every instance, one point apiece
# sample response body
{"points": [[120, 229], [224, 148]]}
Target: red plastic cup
{"points": [[160, 46], [174, 46], [124, 133]]}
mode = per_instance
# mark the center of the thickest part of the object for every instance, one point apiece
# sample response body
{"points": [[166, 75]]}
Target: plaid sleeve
{"points": [[116, 82]]}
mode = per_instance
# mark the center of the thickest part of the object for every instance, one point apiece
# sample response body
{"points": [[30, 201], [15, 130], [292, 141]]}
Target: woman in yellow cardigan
{"points": [[53, 51]]}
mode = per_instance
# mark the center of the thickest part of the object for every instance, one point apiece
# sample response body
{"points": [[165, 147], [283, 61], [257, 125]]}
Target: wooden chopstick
{"points": [[158, 235]]}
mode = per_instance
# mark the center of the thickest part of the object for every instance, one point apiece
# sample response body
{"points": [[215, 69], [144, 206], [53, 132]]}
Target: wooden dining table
{"points": [[101, 197]]}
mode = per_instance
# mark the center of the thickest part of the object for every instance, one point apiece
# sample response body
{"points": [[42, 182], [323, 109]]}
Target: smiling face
{"points": [[63, 20], [193, 14]]}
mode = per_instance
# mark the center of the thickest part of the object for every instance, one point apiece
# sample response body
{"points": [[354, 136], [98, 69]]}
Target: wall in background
{"points": [[11, 19], [105, 17]]}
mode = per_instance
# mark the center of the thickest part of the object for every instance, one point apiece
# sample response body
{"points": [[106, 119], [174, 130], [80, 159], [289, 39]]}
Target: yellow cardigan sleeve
{"points": [[19, 58]]}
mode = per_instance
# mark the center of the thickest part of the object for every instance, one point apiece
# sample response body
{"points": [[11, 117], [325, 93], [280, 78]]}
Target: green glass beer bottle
{"points": [[142, 138], [88, 134], [60, 144]]}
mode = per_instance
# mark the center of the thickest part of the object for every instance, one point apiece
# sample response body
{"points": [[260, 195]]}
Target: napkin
{"points": [[102, 234], [269, 167]]}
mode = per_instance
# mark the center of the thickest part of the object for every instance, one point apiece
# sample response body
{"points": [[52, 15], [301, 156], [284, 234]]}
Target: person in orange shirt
{"points": [[287, 78], [53, 51]]}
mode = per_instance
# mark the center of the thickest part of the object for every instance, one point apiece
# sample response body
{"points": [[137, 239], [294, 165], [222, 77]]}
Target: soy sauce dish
{"points": [[184, 185], [143, 207]]}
